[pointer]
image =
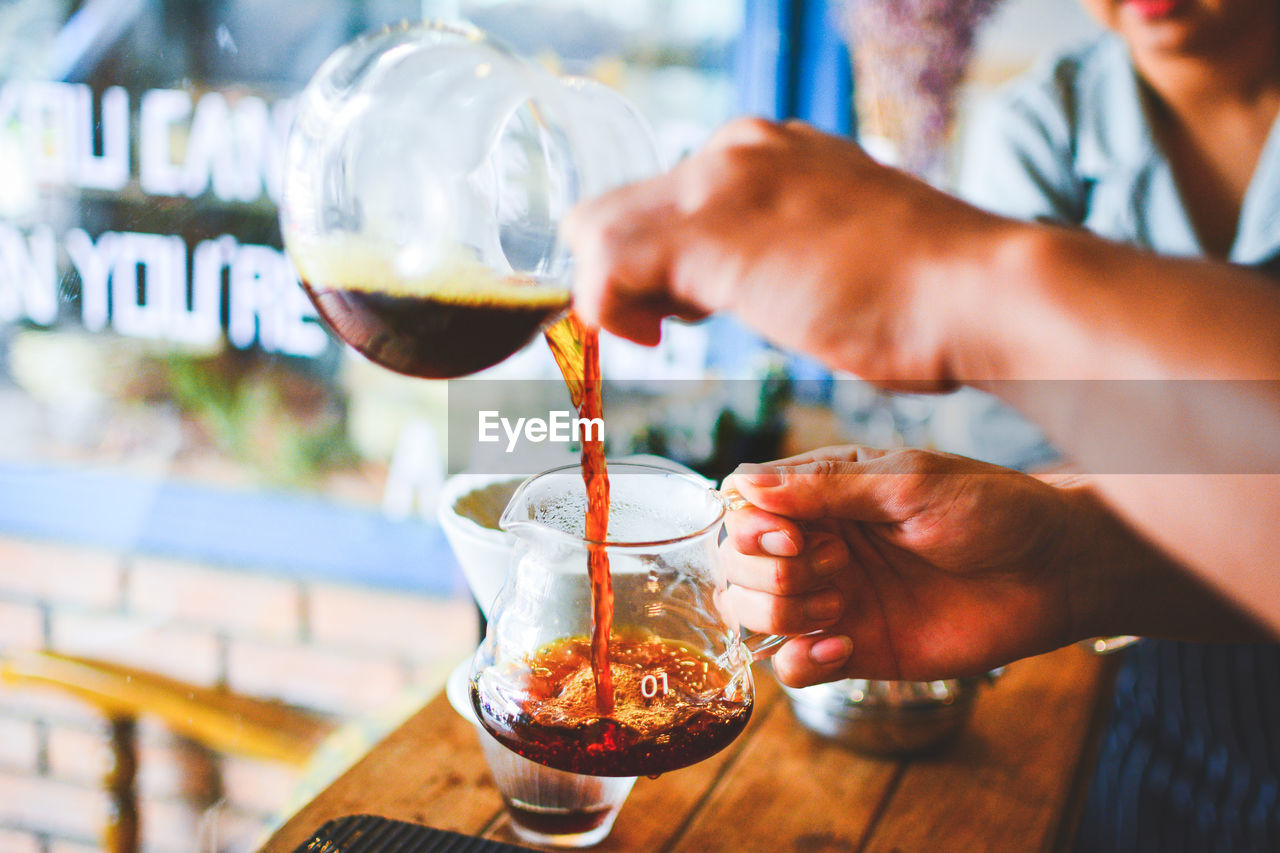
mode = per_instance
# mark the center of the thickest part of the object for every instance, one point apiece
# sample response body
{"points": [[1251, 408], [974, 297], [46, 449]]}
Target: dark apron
{"points": [[1191, 758]]}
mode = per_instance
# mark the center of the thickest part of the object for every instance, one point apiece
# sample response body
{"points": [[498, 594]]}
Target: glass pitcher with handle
{"points": [[679, 665], [425, 178]]}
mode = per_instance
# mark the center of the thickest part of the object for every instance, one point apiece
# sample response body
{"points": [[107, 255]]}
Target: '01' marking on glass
{"points": [[649, 685]]}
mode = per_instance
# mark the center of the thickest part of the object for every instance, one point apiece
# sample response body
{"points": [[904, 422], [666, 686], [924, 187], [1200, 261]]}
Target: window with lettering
{"points": [[149, 319], [196, 479]]}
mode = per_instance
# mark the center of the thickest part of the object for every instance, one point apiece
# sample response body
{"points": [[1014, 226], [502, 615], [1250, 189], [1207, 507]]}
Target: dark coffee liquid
{"points": [[672, 707], [436, 336]]}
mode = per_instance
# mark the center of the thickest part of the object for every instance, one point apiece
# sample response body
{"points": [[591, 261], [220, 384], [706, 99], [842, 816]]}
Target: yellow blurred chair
{"points": [[221, 721]]}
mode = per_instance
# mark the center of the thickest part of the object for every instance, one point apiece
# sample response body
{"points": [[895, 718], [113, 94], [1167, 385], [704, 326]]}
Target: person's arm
{"points": [[824, 251], [1162, 379], [1129, 585]]}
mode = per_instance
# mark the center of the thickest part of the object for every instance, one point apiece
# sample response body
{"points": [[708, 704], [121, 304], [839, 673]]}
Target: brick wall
{"points": [[345, 651]]}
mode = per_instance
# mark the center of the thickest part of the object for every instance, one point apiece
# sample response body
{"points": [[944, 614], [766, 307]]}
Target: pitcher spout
{"points": [[517, 518]]}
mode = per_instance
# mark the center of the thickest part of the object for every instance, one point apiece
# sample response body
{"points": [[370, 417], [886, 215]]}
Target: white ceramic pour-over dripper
{"points": [[468, 509]]}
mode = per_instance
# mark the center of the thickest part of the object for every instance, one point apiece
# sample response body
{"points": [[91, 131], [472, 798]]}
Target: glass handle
{"points": [[1107, 645], [757, 644]]}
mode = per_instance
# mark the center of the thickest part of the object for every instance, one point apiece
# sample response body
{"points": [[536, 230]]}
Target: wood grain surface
{"points": [[1012, 781]]}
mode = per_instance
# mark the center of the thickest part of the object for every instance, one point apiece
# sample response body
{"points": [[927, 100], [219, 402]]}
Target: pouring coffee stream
{"points": [[576, 349]]}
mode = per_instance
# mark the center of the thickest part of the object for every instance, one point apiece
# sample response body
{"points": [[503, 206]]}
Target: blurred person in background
{"points": [[1160, 137]]}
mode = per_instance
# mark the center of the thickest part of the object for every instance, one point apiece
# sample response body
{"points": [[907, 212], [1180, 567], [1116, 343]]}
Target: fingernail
{"points": [[779, 543], [760, 476], [824, 606], [831, 650], [829, 557]]}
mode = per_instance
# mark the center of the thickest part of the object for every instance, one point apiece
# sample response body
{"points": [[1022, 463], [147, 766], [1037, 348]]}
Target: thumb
{"points": [[872, 486]]}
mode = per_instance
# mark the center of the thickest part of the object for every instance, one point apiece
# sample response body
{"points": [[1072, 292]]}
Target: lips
{"points": [[1152, 10]]}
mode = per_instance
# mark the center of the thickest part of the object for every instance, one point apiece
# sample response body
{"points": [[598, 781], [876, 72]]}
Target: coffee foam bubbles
{"points": [[452, 274]]}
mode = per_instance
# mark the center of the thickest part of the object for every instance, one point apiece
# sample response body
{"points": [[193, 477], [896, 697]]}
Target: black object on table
{"points": [[370, 834]]}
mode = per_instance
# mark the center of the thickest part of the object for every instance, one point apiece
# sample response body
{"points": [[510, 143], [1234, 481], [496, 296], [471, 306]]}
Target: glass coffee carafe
{"points": [[680, 666], [426, 175]]}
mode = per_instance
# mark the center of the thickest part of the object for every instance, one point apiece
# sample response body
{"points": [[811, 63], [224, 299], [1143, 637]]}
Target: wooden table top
{"points": [[1012, 781]]}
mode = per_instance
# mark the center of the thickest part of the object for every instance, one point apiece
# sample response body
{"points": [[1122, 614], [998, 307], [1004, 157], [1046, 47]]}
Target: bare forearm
{"points": [[1161, 379], [1121, 583], [1073, 306]]}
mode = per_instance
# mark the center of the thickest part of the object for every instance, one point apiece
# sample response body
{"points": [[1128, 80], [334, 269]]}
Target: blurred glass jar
{"points": [[888, 717]]}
